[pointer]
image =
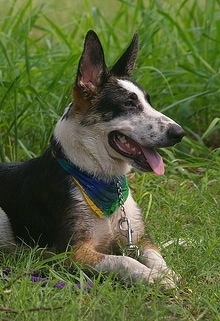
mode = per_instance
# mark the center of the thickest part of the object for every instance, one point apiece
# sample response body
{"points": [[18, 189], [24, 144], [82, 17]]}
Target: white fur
{"points": [[85, 148], [135, 216], [153, 260], [131, 270], [127, 268], [131, 87], [151, 267], [6, 236], [148, 109], [150, 126]]}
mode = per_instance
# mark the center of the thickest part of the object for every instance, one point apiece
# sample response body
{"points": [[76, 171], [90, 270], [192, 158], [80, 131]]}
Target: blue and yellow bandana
{"points": [[102, 197]]}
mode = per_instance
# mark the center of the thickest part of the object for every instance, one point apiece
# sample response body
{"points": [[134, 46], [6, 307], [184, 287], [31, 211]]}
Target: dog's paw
{"points": [[167, 278]]}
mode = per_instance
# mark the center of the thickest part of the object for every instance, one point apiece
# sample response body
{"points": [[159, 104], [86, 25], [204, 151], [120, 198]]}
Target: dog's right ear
{"points": [[92, 70]]}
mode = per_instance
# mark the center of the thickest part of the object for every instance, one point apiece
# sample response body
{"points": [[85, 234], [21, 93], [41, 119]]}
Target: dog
{"points": [[75, 195]]}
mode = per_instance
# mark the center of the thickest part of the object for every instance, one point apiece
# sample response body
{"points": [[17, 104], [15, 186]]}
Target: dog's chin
{"points": [[141, 157]]}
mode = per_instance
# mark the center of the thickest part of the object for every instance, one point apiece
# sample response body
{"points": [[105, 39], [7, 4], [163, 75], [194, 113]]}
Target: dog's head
{"points": [[111, 122]]}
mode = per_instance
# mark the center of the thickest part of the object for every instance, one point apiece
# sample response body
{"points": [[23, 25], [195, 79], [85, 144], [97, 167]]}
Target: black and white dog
{"points": [[76, 195]]}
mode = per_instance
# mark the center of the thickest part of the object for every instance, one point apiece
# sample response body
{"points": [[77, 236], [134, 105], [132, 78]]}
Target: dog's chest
{"points": [[107, 232], [133, 213]]}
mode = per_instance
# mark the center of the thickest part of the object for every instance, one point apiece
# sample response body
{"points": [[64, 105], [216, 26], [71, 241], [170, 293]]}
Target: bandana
{"points": [[102, 197]]}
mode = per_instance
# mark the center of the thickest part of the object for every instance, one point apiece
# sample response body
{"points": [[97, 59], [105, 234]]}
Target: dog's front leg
{"points": [[152, 258], [127, 268]]}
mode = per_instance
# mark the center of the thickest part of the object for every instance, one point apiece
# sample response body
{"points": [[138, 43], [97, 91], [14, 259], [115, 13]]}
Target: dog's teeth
{"points": [[122, 139]]}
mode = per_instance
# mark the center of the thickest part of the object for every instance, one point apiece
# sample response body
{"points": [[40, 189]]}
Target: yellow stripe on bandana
{"points": [[91, 204]]}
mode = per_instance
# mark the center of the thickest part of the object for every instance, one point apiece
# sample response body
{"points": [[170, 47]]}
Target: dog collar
{"points": [[102, 197]]}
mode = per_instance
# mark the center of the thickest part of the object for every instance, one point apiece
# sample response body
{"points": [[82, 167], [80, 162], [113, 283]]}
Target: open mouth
{"points": [[146, 159]]}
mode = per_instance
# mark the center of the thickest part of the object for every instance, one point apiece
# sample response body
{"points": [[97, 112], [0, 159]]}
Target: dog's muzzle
{"points": [[145, 158]]}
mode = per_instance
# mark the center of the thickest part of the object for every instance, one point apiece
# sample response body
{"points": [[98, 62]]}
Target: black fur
{"points": [[40, 199], [113, 101]]}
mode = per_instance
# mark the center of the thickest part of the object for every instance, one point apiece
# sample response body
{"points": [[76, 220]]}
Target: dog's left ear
{"points": [[125, 64], [92, 70]]}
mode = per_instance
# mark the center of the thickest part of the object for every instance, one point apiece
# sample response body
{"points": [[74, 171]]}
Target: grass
{"points": [[178, 63]]}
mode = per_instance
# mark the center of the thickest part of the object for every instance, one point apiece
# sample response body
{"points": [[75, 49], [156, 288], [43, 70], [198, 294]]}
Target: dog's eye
{"points": [[132, 100], [133, 96]]}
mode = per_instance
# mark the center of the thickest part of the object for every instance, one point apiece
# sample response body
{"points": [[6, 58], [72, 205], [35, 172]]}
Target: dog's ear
{"points": [[92, 70], [125, 64]]}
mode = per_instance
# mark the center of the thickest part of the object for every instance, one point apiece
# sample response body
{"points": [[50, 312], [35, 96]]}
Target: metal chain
{"points": [[121, 199], [130, 249]]}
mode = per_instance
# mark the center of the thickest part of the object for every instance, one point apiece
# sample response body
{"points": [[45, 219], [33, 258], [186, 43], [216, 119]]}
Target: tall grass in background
{"points": [[178, 64]]}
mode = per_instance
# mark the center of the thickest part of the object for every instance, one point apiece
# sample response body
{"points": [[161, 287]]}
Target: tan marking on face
{"points": [[80, 102]]}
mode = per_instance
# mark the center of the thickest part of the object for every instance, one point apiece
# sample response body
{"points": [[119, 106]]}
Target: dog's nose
{"points": [[175, 133]]}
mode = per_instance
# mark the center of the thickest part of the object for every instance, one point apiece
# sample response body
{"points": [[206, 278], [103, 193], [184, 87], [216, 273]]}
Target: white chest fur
{"points": [[107, 231]]}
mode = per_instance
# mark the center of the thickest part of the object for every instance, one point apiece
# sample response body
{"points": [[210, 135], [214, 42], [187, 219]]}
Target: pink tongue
{"points": [[154, 160]]}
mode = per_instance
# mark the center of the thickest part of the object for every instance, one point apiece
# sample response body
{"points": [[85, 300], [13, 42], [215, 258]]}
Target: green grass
{"points": [[178, 64]]}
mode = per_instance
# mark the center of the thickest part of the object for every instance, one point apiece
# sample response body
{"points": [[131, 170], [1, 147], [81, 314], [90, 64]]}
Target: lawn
{"points": [[178, 64]]}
